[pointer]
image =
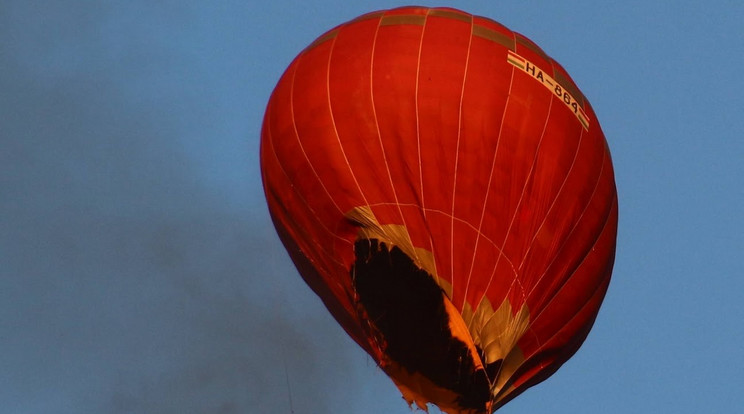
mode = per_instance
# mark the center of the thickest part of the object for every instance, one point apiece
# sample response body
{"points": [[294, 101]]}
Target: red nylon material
{"points": [[422, 119]]}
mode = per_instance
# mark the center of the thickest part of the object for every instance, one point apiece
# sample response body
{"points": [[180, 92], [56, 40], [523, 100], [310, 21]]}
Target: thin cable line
{"points": [[457, 157], [332, 256], [566, 238], [333, 120], [490, 180], [297, 134], [516, 209], [379, 134], [422, 200]]}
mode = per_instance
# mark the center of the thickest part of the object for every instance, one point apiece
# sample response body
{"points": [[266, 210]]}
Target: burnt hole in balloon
{"points": [[407, 309]]}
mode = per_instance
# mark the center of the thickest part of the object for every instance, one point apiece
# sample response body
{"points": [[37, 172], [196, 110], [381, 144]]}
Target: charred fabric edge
{"points": [[407, 309]]}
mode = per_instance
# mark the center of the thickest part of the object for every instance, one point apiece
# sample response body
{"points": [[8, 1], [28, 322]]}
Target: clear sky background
{"points": [[140, 273]]}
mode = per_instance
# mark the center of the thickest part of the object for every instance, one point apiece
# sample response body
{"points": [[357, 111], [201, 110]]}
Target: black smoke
{"points": [[139, 272]]}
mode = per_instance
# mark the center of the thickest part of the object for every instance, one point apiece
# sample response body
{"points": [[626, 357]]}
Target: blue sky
{"points": [[140, 272]]}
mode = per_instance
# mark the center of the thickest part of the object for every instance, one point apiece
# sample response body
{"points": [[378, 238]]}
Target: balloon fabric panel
{"points": [[447, 191]]}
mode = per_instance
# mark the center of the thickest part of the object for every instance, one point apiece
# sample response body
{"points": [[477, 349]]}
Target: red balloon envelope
{"points": [[446, 189]]}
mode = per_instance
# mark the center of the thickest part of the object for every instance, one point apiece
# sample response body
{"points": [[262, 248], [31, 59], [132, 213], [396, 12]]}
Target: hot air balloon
{"points": [[446, 189]]}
